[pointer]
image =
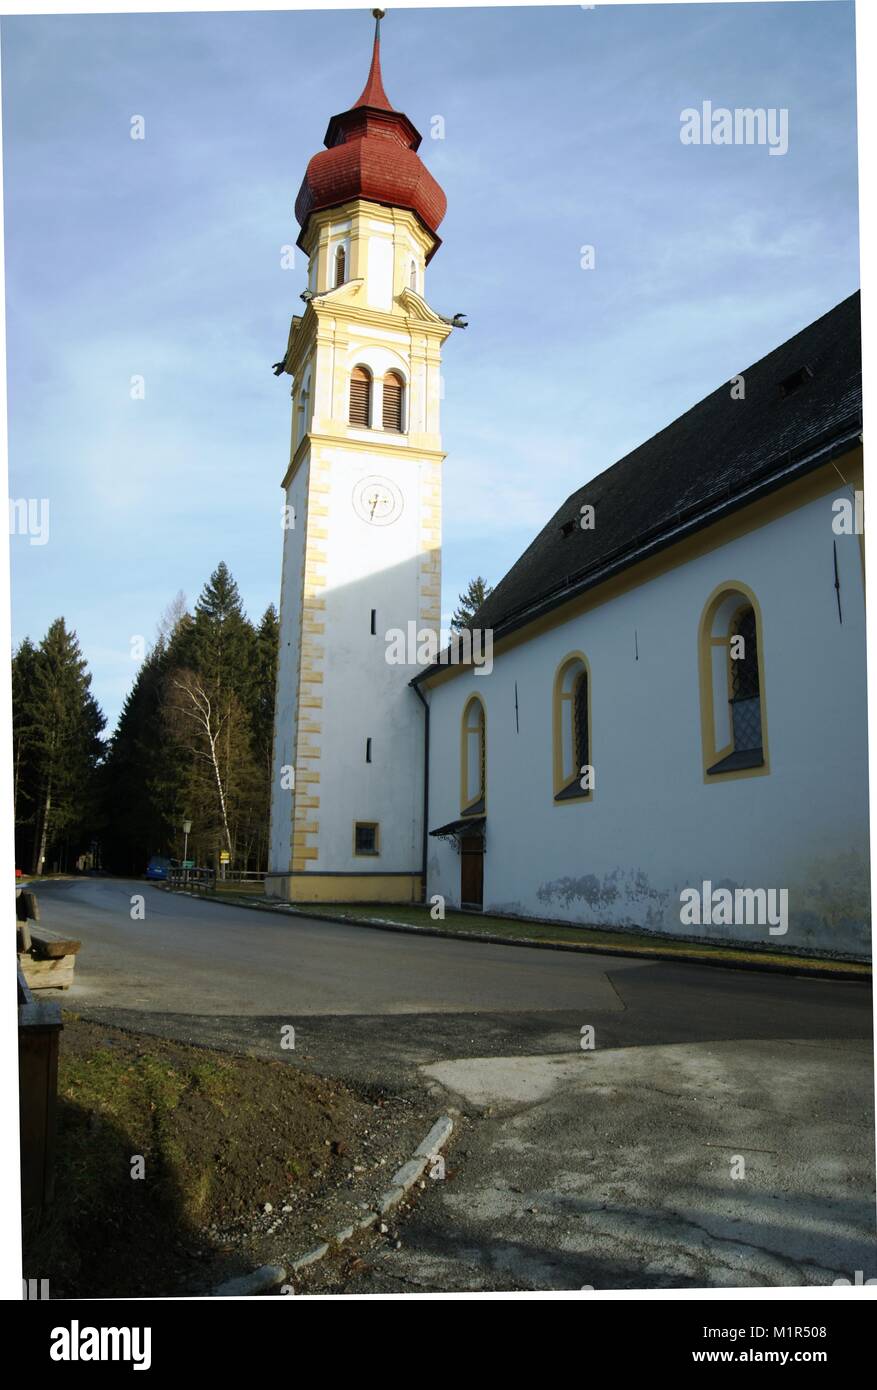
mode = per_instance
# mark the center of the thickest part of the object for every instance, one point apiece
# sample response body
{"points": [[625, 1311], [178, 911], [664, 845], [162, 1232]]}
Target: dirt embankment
{"points": [[178, 1166]]}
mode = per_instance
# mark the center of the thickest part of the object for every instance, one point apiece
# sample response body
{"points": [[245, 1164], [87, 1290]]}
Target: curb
{"points": [[267, 1277], [826, 972]]}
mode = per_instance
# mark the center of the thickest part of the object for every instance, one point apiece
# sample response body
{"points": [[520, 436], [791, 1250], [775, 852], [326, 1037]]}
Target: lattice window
{"points": [[745, 682], [581, 740], [474, 770]]}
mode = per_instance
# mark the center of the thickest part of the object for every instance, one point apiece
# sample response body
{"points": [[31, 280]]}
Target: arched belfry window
{"points": [[573, 776], [473, 759], [733, 710], [303, 417], [394, 402], [360, 397], [340, 266]]}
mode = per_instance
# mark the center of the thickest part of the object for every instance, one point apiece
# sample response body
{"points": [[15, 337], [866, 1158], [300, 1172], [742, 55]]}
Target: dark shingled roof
{"points": [[716, 457]]}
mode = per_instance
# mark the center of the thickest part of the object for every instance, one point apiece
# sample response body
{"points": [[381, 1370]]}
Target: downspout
{"points": [[425, 703]]}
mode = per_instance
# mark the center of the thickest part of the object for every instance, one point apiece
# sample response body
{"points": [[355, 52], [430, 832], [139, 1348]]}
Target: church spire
{"points": [[373, 93], [371, 154]]}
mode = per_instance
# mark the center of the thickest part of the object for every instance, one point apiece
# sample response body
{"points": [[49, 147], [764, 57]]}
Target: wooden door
{"points": [[472, 872]]}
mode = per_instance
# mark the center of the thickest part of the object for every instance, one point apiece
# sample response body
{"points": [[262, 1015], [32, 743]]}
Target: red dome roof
{"points": [[371, 153]]}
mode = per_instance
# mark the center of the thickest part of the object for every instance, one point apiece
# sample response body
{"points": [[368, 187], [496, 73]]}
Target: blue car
{"points": [[158, 867]]}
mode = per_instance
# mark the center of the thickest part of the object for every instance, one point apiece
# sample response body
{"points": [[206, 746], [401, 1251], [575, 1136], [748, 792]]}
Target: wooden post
{"points": [[39, 1028]]}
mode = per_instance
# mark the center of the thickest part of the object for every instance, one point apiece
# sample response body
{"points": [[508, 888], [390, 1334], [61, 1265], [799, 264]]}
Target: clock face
{"points": [[377, 501]]}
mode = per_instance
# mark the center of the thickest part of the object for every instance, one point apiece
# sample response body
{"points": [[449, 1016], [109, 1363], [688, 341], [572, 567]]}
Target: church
{"points": [[660, 720]]}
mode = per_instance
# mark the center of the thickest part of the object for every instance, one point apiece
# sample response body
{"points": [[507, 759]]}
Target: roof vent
{"points": [[791, 383]]}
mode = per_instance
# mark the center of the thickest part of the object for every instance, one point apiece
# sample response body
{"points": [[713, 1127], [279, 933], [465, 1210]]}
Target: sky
{"points": [[162, 258]]}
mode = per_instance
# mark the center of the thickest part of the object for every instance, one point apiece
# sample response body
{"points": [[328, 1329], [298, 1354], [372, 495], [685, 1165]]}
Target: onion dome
{"points": [[371, 152]]}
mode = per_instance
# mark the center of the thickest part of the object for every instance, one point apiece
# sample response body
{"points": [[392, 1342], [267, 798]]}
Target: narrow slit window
{"points": [[368, 750], [374, 622], [340, 266]]}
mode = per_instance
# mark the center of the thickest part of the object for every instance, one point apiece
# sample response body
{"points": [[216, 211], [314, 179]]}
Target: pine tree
{"points": [[65, 723], [469, 603], [140, 781], [194, 739], [24, 730], [222, 641]]}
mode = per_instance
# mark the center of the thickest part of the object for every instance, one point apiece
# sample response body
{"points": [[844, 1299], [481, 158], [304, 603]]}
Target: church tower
{"points": [[362, 538]]}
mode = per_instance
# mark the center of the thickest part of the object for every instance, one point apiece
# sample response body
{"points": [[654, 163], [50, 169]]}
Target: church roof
{"points": [[371, 152], [802, 406]]}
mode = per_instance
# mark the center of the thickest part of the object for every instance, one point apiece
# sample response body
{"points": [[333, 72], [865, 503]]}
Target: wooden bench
{"points": [[47, 959]]}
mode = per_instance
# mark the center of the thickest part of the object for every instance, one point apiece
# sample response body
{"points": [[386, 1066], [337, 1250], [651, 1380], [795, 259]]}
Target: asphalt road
{"points": [[376, 1005], [617, 1167]]}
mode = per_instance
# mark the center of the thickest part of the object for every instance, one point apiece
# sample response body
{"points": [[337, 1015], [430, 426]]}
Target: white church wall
{"points": [[379, 282], [370, 567], [654, 826], [288, 658]]}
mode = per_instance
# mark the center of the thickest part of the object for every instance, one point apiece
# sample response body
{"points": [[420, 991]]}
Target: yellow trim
{"points": [[361, 854], [366, 446], [304, 887], [705, 644], [467, 802], [558, 696], [820, 483]]}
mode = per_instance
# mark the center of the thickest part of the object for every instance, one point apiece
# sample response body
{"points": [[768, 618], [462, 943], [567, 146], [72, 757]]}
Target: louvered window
{"points": [[340, 266], [393, 389], [360, 397]]}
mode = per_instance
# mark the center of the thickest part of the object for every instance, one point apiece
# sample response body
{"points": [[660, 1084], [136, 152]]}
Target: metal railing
{"points": [[204, 880], [192, 880]]}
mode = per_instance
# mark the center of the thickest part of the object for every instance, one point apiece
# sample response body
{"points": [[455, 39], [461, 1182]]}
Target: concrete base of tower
{"points": [[346, 888]]}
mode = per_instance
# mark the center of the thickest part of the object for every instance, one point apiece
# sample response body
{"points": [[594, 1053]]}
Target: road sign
{"points": [[188, 864], [224, 856]]}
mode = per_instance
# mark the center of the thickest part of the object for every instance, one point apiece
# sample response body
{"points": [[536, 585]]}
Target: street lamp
{"points": [[187, 826]]}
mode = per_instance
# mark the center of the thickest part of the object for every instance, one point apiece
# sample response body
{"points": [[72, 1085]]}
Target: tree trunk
{"points": [[40, 840]]}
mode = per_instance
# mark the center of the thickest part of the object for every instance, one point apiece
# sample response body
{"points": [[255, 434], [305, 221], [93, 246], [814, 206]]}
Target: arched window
{"points": [[340, 266], [303, 419], [473, 759], [573, 763], [733, 713], [394, 390], [360, 397], [412, 276]]}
